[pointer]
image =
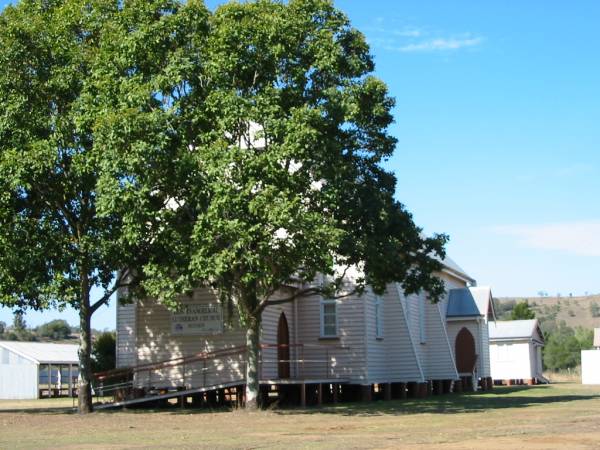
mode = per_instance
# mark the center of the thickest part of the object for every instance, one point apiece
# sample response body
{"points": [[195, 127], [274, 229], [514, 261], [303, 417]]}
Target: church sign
{"points": [[197, 319]]}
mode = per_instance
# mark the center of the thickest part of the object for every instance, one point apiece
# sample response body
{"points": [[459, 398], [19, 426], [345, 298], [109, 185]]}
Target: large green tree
{"points": [[72, 72], [292, 131], [240, 150]]}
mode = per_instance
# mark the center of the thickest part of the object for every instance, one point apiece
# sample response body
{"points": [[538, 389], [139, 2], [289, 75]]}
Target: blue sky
{"points": [[498, 105]]}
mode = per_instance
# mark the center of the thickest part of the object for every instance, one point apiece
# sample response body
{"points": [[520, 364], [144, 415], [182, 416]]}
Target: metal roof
{"points": [[451, 265], [44, 353], [514, 329], [470, 301]]}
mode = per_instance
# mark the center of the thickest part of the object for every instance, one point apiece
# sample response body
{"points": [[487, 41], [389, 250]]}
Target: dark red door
{"points": [[283, 347], [465, 351]]}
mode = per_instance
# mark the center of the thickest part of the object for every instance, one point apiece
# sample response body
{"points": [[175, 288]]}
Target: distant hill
{"points": [[575, 311]]}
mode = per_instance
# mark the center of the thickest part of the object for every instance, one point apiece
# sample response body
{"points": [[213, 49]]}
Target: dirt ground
{"points": [[565, 416]]}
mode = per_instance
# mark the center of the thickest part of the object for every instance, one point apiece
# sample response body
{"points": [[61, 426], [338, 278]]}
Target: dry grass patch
{"points": [[556, 416]]}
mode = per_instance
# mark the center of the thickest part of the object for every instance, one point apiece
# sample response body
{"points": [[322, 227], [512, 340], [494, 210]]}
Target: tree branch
{"points": [[118, 284], [301, 293]]}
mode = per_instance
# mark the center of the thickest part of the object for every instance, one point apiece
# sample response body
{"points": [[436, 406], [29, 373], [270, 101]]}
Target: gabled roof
{"points": [[470, 302], [515, 329], [451, 266], [43, 353]]}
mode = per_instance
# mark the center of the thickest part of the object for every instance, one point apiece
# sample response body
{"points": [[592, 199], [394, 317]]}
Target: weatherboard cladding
{"points": [[154, 343], [435, 359], [392, 357], [126, 334], [356, 354], [518, 360], [347, 350]]}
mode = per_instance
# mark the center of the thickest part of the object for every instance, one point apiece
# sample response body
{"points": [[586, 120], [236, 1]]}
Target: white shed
{"points": [[30, 370], [516, 351], [590, 362]]}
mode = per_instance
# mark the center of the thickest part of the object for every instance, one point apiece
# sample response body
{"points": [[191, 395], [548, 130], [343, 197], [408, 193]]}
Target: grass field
{"points": [[563, 416]]}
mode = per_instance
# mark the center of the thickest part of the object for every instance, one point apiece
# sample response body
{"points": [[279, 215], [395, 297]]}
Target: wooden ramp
{"points": [[168, 395]]}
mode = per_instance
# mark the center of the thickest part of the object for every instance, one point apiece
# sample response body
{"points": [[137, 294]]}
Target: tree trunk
{"points": [[84, 399], [252, 365]]}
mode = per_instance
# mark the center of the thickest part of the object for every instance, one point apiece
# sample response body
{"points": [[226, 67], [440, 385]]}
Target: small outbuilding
{"points": [[590, 362], [516, 351], [30, 370]]}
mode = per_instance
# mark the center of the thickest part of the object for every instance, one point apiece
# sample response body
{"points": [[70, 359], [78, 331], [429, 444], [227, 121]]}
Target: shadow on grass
{"points": [[40, 411], [499, 398], [452, 403]]}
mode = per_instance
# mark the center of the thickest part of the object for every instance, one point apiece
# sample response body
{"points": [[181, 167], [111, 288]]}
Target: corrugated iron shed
{"points": [[515, 329], [44, 353]]}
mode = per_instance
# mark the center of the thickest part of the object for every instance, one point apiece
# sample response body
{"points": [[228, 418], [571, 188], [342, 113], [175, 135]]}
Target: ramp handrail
{"points": [[207, 368], [170, 362]]}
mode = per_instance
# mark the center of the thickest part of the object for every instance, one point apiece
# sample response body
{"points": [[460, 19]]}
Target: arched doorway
{"points": [[465, 352], [283, 348]]}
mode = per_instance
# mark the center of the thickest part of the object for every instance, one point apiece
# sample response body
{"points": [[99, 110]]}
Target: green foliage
{"points": [[63, 165], [563, 346], [522, 311], [104, 352], [19, 330], [594, 309], [503, 309], [55, 330], [294, 133], [585, 337], [2, 328], [19, 323]]}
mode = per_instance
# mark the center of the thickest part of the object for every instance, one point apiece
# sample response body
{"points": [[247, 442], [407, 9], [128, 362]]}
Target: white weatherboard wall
{"points": [[590, 366], [512, 360], [126, 332], [18, 376], [429, 335], [346, 351]]}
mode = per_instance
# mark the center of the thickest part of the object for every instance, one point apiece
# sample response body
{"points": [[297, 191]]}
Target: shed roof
{"points": [[515, 329], [470, 301], [44, 353]]}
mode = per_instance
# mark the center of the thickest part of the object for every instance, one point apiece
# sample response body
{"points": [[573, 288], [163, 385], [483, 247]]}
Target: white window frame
{"points": [[379, 317], [328, 301]]}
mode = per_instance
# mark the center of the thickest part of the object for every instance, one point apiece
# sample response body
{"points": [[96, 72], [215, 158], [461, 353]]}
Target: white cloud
{"points": [[391, 35], [441, 44], [565, 172], [409, 32], [580, 238]]}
